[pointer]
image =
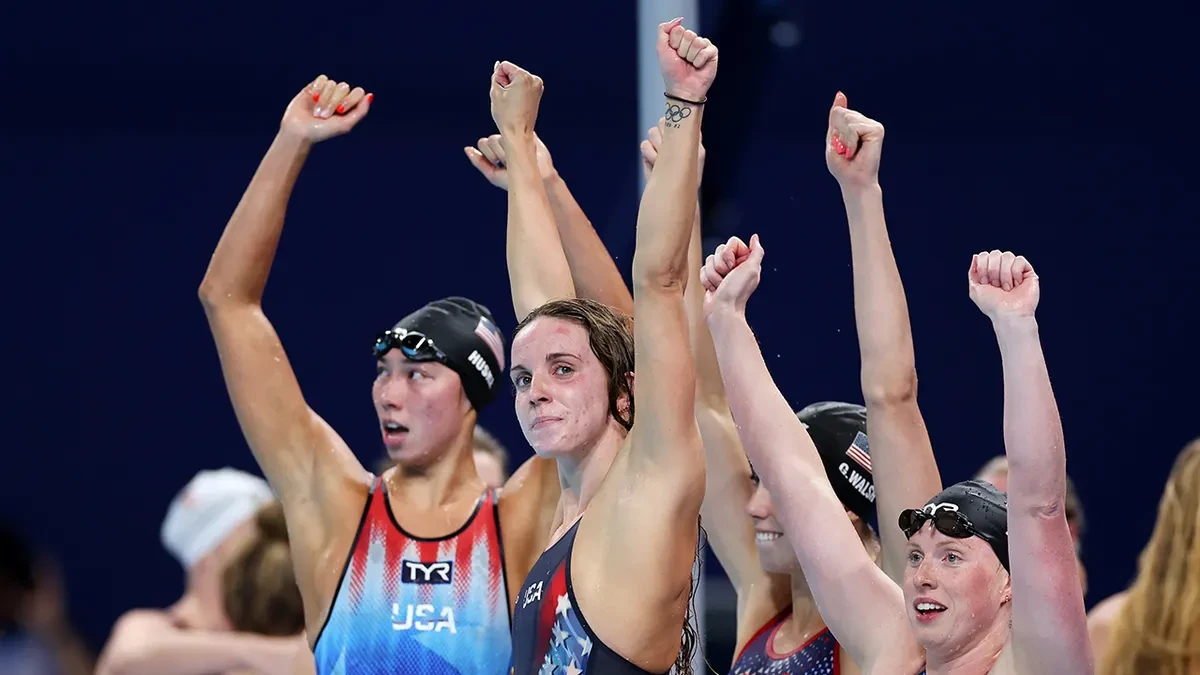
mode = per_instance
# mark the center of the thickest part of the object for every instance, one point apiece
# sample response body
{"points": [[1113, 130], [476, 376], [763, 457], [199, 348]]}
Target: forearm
{"points": [[242, 261], [880, 309], [766, 424], [902, 457], [170, 651], [593, 271], [710, 392], [666, 212], [1033, 436], [537, 266]]}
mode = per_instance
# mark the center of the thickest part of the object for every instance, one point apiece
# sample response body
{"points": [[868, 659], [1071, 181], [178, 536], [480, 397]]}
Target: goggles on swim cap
{"points": [[949, 522], [967, 509], [413, 344]]}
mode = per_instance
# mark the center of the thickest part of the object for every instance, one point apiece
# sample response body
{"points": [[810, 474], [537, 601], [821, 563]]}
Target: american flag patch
{"points": [[490, 334], [859, 451]]}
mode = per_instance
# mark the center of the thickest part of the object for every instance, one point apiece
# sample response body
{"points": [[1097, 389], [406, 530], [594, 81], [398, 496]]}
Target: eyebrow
{"points": [[554, 356]]}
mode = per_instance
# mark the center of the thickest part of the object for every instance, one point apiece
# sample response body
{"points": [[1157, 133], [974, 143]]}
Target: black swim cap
{"points": [[466, 333], [983, 506], [839, 430]]}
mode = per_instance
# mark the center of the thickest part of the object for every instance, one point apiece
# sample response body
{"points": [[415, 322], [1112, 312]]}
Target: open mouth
{"points": [[393, 431], [928, 610], [767, 536]]}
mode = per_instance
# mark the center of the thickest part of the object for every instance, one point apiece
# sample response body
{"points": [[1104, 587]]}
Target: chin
{"points": [[411, 454], [777, 557], [550, 443]]}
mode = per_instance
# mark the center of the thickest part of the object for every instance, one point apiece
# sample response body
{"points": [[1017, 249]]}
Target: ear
{"points": [[629, 377], [1007, 591]]}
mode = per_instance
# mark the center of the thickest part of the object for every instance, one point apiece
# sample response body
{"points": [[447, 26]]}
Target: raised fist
{"points": [[731, 274], [688, 61], [489, 160], [650, 149], [515, 95], [853, 145], [1003, 285], [325, 109]]}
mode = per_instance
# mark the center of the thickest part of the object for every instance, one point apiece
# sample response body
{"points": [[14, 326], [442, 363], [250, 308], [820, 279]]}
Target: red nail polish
{"points": [[341, 108], [316, 97], [370, 97]]}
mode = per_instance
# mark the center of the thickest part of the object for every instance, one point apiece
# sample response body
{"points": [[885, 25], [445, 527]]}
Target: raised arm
{"points": [[901, 456], [537, 267], [307, 464], [146, 642], [653, 490], [665, 442], [593, 271], [1049, 626], [727, 484], [861, 606]]}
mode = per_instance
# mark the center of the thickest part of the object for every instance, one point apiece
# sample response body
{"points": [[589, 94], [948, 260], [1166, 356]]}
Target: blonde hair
{"points": [[260, 591], [1158, 628]]}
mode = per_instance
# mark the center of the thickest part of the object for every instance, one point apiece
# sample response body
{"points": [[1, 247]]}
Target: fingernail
{"points": [[341, 108], [495, 66], [317, 111], [370, 97], [317, 97]]}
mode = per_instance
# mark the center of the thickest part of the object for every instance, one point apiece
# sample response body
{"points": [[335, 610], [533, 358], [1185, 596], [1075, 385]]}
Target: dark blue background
{"points": [[131, 130]]}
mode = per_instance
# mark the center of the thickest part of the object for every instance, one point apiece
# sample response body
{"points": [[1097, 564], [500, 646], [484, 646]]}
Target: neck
{"points": [[976, 658], [805, 617], [582, 473], [449, 479]]}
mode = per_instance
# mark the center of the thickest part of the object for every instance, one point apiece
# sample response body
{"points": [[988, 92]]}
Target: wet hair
{"points": [[610, 335], [689, 641], [1157, 630], [486, 443], [260, 591]]}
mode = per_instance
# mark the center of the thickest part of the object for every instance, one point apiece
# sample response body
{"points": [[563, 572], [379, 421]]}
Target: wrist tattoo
{"points": [[676, 113]]}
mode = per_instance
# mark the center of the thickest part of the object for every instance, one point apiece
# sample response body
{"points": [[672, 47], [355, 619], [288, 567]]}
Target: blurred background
{"points": [[132, 129]]}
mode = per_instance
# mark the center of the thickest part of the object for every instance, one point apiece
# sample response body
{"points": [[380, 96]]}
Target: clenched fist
{"points": [[516, 94], [489, 160], [324, 109], [1003, 285], [853, 145], [731, 274], [688, 61], [650, 146]]}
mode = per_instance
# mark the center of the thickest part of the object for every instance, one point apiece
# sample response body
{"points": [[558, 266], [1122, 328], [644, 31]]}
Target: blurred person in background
{"points": [[36, 634], [1154, 626], [996, 473], [491, 459], [209, 524], [260, 591]]}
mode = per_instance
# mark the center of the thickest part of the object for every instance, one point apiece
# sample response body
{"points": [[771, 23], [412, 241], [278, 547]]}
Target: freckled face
{"points": [[561, 387]]}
